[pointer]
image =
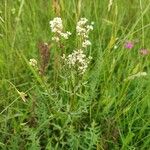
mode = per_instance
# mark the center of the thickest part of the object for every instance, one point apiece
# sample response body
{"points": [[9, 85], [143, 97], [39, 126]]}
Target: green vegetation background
{"points": [[107, 112]]}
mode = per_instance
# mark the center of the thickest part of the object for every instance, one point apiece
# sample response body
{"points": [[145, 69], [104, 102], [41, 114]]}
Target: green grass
{"points": [[98, 111]]}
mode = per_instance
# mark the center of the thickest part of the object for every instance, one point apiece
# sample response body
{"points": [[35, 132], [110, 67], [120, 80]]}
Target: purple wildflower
{"points": [[129, 45], [144, 52]]}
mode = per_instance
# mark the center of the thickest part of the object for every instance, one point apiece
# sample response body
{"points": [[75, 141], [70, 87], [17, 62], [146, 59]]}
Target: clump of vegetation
{"points": [[74, 75]]}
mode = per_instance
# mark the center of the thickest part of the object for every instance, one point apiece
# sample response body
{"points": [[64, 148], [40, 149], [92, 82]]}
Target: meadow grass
{"points": [[106, 108]]}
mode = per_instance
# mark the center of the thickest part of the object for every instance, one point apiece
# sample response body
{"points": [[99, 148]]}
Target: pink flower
{"points": [[129, 45], [144, 52]]}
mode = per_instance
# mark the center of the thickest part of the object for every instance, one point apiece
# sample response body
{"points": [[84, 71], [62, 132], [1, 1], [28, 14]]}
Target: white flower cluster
{"points": [[83, 29], [33, 62], [78, 60], [57, 28]]}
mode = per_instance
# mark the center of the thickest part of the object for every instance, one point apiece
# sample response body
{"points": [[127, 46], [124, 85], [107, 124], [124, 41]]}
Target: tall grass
{"points": [[100, 110]]}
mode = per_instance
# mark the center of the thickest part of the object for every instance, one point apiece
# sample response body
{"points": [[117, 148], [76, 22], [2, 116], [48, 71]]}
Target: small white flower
{"points": [[78, 60], [89, 27], [92, 23], [115, 47], [57, 28], [86, 43], [33, 62], [69, 33], [56, 25], [55, 38], [65, 35], [83, 29]]}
